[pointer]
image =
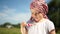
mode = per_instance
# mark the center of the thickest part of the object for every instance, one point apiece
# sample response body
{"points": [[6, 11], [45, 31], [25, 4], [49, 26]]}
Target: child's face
{"points": [[35, 15]]}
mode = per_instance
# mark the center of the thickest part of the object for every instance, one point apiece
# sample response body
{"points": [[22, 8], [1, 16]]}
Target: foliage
{"points": [[54, 12]]}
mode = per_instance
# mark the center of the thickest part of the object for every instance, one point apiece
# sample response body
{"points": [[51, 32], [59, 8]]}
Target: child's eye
{"points": [[36, 13]]}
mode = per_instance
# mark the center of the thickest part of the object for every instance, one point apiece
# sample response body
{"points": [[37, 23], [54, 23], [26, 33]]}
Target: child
{"points": [[39, 22]]}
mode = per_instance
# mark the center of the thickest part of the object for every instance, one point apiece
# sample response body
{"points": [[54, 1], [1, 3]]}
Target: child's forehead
{"points": [[34, 10]]}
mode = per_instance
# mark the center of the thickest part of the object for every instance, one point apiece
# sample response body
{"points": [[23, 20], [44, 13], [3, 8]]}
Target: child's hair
{"points": [[42, 8]]}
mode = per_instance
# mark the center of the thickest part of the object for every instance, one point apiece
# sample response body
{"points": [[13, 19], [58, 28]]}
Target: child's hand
{"points": [[23, 24]]}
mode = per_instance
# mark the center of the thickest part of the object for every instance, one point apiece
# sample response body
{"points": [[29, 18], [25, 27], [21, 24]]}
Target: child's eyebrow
{"points": [[33, 13]]}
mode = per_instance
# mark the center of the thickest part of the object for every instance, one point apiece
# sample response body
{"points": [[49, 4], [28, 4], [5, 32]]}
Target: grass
{"points": [[10, 31], [13, 31], [58, 32]]}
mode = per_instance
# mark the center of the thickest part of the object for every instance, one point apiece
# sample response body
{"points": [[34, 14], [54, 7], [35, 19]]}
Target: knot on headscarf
{"points": [[40, 7]]}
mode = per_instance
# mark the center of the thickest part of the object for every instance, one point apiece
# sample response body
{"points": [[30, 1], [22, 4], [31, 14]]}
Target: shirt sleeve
{"points": [[50, 26]]}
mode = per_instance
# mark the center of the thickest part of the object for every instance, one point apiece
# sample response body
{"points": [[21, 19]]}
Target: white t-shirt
{"points": [[43, 27]]}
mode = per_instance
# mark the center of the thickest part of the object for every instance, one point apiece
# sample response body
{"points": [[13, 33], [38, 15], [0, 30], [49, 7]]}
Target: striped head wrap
{"points": [[40, 6]]}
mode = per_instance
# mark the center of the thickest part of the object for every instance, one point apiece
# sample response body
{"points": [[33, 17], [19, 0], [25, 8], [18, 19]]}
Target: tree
{"points": [[54, 12], [6, 23]]}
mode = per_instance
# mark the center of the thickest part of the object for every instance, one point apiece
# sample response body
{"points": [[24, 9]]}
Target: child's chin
{"points": [[37, 20]]}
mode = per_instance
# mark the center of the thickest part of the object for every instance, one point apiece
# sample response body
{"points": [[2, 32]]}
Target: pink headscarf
{"points": [[41, 6]]}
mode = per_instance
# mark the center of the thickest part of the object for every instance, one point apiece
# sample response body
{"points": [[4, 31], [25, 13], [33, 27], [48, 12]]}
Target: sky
{"points": [[15, 11]]}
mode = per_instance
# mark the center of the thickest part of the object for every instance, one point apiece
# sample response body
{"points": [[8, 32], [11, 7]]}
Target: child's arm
{"points": [[52, 31], [23, 29]]}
